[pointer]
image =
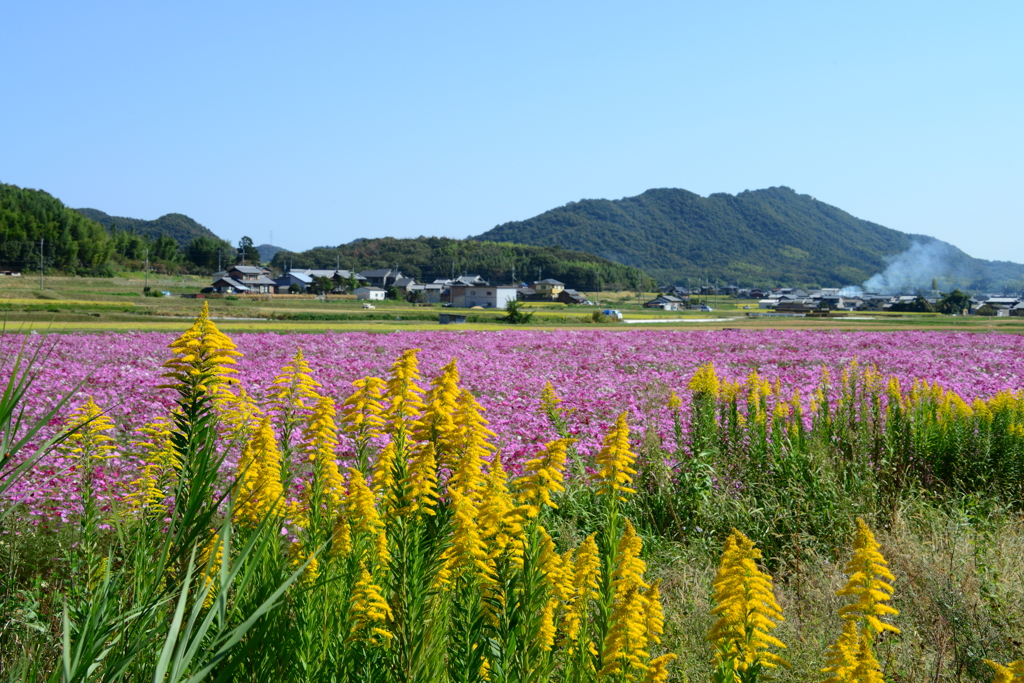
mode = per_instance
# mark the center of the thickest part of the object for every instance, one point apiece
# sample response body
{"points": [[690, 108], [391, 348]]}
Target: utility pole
{"points": [[147, 271], [40, 264]]}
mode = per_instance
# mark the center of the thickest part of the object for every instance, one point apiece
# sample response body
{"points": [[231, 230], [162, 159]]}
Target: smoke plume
{"points": [[915, 268]]}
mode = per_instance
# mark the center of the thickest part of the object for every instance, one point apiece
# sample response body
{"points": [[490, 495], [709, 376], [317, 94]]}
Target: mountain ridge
{"points": [[773, 236], [177, 226]]}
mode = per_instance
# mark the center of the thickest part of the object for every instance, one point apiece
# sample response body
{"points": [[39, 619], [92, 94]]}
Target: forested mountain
{"points": [[74, 243], [178, 227], [267, 251], [430, 258], [764, 237], [70, 241]]}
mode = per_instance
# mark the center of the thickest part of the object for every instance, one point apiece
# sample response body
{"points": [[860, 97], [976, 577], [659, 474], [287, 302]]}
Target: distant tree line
{"points": [[430, 258], [34, 225]]}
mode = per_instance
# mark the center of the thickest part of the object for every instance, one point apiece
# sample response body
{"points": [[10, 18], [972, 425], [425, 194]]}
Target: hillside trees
{"points": [[70, 242], [430, 258]]}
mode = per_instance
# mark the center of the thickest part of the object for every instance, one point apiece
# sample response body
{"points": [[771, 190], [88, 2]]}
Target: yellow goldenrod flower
{"points": [[557, 569], [297, 555], [1011, 673], [501, 522], [843, 654], [258, 490], [161, 465], [705, 381], [868, 584], [616, 462], [384, 476], [362, 412], [237, 413], [202, 358], [585, 571], [467, 554], [544, 474], [294, 388], [209, 562], [436, 425], [406, 402], [321, 449], [546, 635], [549, 400], [867, 669], [369, 611], [420, 485], [341, 536], [655, 616], [658, 669], [625, 646], [474, 446], [674, 402], [745, 607], [89, 440]]}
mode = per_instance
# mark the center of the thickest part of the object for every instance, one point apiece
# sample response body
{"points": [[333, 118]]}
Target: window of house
{"points": [[488, 293]]}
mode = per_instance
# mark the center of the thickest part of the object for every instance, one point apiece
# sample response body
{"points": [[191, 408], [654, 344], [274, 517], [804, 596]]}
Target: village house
{"points": [[548, 288], [485, 296], [571, 296], [666, 302], [427, 294], [382, 277], [370, 293], [243, 280]]}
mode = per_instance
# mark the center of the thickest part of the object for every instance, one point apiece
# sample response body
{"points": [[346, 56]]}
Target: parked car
{"points": [[369, 306], [705, 308], [612, 313]]}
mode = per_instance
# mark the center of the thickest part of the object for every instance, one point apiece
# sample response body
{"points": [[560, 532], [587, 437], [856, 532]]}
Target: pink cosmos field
{"points": [[597, 373]]}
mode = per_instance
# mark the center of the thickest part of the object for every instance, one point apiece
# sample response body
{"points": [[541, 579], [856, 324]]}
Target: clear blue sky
{"points": [[323, 122]]}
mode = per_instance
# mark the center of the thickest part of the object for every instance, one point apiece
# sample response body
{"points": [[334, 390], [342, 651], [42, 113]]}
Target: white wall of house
{"points": [[370, 293]]}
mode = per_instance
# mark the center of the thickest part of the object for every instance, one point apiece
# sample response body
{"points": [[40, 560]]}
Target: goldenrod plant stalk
{"points": [[291, 397], [851, 658], [747, 611]]}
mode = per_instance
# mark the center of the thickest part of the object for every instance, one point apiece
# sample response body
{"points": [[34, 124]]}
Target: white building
{"points": [[370, 293], [485, 296]]}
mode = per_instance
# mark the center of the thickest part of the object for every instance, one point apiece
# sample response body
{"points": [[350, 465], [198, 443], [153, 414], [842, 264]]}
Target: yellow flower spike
{"points": [[341, 537], [625, 646], [474, 446], [202, 358], [160, 468], [208, 562], [868, 584], [90, 440], [467, 554], [436, 425], [406, 402], [1003, 674], [321, 448], [238, 413], [616, 462], [297, 555], [557, 569], [843, 655], [654, 615], [369, 611], [674, 402], [705, 381], [544, 474], [501, 522], [362, 412], [420, 486], [258, 489], [549, 400], [658, 669], [362, 508], [294, 389], [746, 608], [586, 568], [867, 670], [384, 476], [546, 636]]}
